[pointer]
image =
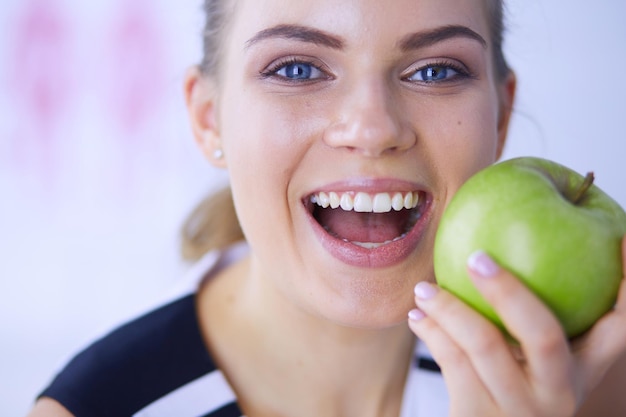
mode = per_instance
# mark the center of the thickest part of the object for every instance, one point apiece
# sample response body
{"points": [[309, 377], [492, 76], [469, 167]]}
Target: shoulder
{"points": [[47, 407], [149, 360], [135, 364]]}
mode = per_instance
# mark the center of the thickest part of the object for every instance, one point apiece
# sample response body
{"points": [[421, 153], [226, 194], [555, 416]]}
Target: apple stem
{"points": [[580, 192]]}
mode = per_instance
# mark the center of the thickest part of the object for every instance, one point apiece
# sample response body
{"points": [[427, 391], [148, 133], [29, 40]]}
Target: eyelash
{"points": [[272, 70], [460, 70]]}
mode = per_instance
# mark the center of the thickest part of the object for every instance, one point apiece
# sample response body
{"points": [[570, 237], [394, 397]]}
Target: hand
{"points": [[547, 375]]}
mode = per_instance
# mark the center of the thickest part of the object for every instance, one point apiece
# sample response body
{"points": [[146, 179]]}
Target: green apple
{"points": [[550, 226]]}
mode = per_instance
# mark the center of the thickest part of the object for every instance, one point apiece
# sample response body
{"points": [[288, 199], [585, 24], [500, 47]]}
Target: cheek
{"points": [[267, 142], [461, 142], [260, 128], [254, 137], [270, 134]]}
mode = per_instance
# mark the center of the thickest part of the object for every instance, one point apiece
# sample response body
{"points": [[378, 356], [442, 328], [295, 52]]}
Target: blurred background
{"points": [[98, 168]]}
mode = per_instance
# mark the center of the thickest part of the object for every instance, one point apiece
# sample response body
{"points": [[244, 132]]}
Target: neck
{"points": [[282, 360]]}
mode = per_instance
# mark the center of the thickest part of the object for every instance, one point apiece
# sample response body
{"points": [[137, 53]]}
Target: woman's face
{"points": [[364, 104]]}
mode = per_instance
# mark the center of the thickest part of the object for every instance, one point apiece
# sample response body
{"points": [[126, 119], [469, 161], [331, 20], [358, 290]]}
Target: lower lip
{"points": [[380, 257]]}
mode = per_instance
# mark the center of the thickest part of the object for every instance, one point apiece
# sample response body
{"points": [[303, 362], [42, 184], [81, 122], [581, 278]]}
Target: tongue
{"points": [[363, 227]]}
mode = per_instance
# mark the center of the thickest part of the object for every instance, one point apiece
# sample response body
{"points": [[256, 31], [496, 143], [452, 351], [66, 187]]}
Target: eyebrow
{"points": [[409, 42], [430, 37], [298, 32]]}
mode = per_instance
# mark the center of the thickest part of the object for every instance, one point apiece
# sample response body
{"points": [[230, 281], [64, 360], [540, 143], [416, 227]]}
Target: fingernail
{"points": [[416, 315], [425, 291], [482, 265]]}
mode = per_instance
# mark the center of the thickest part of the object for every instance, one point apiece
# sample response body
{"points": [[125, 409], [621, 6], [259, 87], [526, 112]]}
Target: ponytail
{"points": [[212, 225]]}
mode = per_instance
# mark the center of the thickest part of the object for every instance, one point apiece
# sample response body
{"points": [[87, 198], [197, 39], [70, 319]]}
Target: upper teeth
{"points": [[367, 203]]}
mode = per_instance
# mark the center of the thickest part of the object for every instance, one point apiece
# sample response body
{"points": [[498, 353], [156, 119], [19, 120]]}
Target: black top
{"points": [[138, 364]]}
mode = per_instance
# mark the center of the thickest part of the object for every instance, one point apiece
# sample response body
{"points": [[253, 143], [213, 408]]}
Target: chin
{"points": [[375, 298]]}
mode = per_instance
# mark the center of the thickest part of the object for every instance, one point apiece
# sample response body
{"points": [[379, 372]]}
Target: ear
{"points": [[201, 100], [506, 93]]}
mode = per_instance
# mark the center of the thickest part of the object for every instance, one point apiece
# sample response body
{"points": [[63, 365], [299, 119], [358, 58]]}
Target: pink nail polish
{"points": [[416, 315], [425, 290], [482, 265]]}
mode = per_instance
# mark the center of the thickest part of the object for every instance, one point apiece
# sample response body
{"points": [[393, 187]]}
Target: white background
{"points": [[98, 168]]}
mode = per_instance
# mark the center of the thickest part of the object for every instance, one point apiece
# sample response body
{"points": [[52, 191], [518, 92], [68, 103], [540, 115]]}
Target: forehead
{"points": [[364, 22]]}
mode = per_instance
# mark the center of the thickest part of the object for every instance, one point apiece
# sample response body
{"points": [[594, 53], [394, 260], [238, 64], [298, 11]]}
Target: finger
{"points": [[479, 340], [461, 378], [540, 334], [606, 341]]}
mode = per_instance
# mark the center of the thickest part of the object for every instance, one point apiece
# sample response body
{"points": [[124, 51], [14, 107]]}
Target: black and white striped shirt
{"points": [[158, 366]]}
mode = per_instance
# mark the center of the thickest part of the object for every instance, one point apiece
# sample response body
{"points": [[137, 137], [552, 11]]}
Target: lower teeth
{"points": [[374, 245], [369, 245]]}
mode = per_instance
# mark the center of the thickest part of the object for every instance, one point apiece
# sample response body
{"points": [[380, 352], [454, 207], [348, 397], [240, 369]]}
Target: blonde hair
{"points": [[212, 225]]}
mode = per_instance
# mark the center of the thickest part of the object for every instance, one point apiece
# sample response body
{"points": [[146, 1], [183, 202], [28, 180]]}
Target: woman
{"points": [[346, 127]]}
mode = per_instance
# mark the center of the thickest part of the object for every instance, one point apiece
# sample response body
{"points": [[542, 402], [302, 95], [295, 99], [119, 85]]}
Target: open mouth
{"points": [[367, 220]]}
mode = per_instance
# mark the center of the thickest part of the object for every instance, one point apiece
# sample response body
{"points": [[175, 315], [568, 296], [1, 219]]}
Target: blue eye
{"points": [[435, 73], [296, 70]]}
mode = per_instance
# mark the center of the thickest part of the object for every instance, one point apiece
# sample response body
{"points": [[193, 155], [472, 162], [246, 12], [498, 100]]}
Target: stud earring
{"points": [[218, 154]]}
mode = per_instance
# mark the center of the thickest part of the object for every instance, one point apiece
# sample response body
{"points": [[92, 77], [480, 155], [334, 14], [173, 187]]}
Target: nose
{"points": [[369, 121]]}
